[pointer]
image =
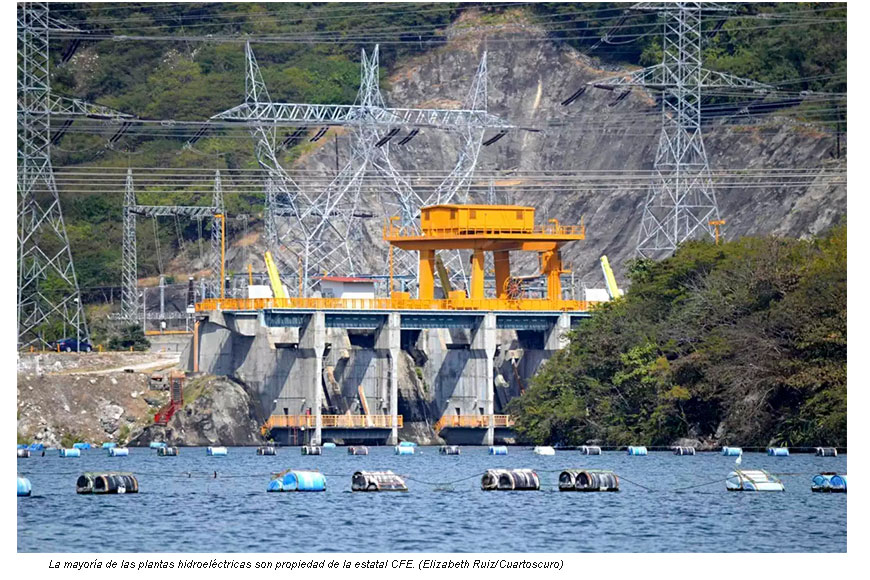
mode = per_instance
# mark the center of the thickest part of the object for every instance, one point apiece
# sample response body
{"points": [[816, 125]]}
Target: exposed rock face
{"points": [[223, 414]]}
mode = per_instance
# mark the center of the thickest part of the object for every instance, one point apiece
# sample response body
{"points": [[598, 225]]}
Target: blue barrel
{"points": [[216, 451], [81, 445], [838, 482], [639, 450], [37, 447], [404, 450], [70, 452], [304, 481], [22, 445], [732, 451], [23, 487], [109, 445], [778, 451], [407, 444], [156, 444], [118, 452], [275, 485], [498, 450], [329, 445]]}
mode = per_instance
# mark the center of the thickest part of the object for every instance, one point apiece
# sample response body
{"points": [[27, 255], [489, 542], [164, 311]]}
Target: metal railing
{"points": [[393, 233], [339, 421], [396, 303], [473, 421]]}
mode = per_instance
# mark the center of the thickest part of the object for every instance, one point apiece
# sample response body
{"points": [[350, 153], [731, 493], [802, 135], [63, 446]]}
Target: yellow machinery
{"points": [[499, 229], [274, 278], [610, 279]]}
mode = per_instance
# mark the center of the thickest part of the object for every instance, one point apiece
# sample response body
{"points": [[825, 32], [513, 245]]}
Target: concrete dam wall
{"points": [[446, 384]]}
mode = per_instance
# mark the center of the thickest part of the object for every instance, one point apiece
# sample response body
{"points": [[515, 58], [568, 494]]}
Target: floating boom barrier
{"points": [[449, 450], [377, 481], [107, 483], [732, 451], [498, 450], [358, 450], [588, 480], [752, 480], [778, 451], [298, 481], [69, 452], [829, 483], [267, 450], [510, 480], [590, 450], [167, 451], [24, 488], [311, 450], [684, 450], [826, 451], [403, 450]]}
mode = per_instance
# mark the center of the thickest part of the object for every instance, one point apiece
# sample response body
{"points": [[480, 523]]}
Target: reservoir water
{"points": [[233, 513]]}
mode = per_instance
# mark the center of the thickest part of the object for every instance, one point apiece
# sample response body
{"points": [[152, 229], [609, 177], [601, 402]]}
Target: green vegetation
{"points": [[123, 435], [24, 440], [129, 336], [740, 343], [68, 439]]}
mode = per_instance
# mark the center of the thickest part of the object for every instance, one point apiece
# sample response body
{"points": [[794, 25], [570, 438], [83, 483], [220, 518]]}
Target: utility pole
{"points": [[48, 289], [681, 201]]}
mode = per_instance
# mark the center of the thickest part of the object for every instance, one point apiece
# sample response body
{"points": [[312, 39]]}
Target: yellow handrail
{"points": [[397, 303], [473, 421], [340, 421]]}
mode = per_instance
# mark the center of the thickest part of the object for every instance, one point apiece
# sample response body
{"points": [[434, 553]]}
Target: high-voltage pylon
{"points": [[49, 301], [320, 228], [131, 308], [681, 202]]}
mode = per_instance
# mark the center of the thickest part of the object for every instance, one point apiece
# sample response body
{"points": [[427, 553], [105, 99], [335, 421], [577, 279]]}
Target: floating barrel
{"points": [[544, 450], [510, 480], [312, 450], [267, 450], [298, 481], [156, 444], [449, 450], [640, 450], [684, 450], [829, 483], [37, 447], [377, 481], [118, 452], [590, 450], [70, 452], [826, 451], [23, 452], [216, 451], [107, 483], [778, 451], [329, 445], [167, 451], [81, 445], [732, 451], [109, 445], [404, 450], [752, 480], [407, 444], [358, 450], [24, 488], [22, 446], [497, 450], [588, 480]]}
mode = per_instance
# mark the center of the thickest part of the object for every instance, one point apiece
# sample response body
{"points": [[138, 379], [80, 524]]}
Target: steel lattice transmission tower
{"points": [[318, 229], [49, 300], [681, 202]]}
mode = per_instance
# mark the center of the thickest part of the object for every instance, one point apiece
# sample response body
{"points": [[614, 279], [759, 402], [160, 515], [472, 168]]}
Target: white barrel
{"points": [[590, 450], [752, 480], [544, 450], [404, 450], [118, 452], [778, 451], [510, 480], [311, 450], [216, 451], [826, 451], [24, 453], [377, 481], [732, 451], [684, 450], [449, 450], [637, 450], [498, 450]]}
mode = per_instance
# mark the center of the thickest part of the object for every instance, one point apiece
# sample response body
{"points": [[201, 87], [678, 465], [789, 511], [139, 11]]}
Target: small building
{"points": [[596, 295], [346, 287]]}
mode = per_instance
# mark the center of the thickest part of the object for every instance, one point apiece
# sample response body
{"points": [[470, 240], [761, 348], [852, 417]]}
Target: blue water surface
{"points": [[233, 513]]}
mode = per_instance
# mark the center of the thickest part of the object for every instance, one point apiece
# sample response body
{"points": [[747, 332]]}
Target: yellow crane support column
{"points": [[551, 266], [609, 279], [502, 262], [477, 261], [427, 275]]}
